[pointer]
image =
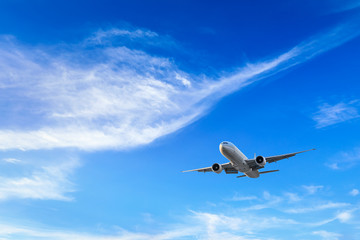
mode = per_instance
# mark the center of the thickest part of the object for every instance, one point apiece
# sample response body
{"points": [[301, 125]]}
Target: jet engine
{"points": [[216, 168], [260, 161]]}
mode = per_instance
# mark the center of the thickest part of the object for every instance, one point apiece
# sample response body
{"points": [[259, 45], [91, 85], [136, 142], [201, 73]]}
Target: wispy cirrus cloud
{"points": [[240, 197], [9, 231], [131, 37], [327, 235], [320, 207], [107, 93], [236, 227], [345, 159], [346, 5], [333, 114], [45, 182], [111, 91], [312, 189], [199, 225], [217, 223], [12, 160], [354, 192]]}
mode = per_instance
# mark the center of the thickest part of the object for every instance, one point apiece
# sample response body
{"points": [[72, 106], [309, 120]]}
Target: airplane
{"points": [[240, 163]]}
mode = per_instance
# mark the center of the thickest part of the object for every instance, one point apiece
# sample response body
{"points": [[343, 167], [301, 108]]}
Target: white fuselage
{"points": [[237, 159]]}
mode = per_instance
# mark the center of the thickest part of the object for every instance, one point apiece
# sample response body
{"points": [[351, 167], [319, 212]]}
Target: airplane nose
{"points": [[221, 147], [224, 147]]}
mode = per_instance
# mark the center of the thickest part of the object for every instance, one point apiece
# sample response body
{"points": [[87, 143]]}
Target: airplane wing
{"points": [[226, 166], [252, 164]]}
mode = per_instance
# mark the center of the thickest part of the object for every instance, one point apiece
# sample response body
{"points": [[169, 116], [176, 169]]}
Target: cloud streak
{"points": [[228, 222], [333, 114], [354, 192], [315, 208], [345, 159], [312, 189], [44, 183], [341, 6], [12, 160], [108, 93], [327, 235]]}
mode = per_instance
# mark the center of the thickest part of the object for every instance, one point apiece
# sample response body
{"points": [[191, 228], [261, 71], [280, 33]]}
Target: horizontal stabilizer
{"points": [[241, 176], [268, 171], [259, 173]]}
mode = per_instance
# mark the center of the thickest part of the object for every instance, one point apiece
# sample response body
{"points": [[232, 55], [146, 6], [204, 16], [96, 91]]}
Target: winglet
{"points": [[308, 150]]}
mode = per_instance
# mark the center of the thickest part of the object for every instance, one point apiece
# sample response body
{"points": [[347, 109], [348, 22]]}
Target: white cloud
{"points": [[9, 231], [12, 160], [199, 225], [344, 216], [220, 226], [315, 208], [48, 182], [333, 114], [354, 192], [327, 235], [312, 189], [293, 197], [333, 166], [101, 94], [268, 201], [239, 197], [225, 222], [345, 160], [130, 36], [101, 35]]}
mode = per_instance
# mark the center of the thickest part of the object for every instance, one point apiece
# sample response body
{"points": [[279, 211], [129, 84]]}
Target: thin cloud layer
{"points": [[113, 94], [346, 5], [354, 192], [44, 183], [227, 221], [327, 235], [312, 189], [333, 114], [12, 160], [345, 159]]}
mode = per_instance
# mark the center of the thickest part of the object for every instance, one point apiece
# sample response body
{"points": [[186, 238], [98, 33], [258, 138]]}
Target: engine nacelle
{"points": [[216, 168], [260, 161]]}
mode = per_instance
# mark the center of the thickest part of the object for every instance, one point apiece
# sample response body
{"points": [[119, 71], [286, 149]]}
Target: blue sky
{"points": [[104, 103]]}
